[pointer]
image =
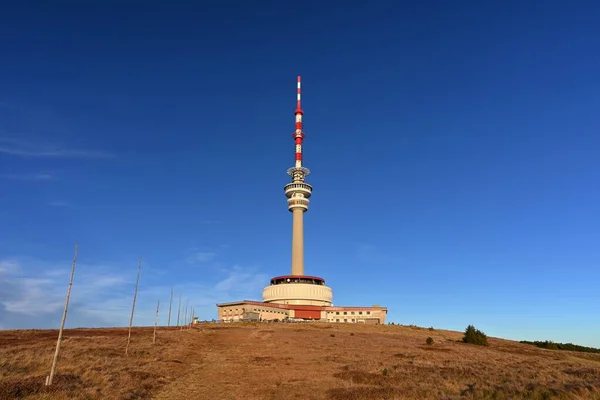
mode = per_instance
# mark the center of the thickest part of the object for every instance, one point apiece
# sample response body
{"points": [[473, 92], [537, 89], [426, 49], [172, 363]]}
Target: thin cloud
{"points": [[31, 298], [57, 272], [26, 149], [204, 256], [102, 294], [236, 283], [197, 255], [59, 203], [9, 266], [242, 281], [28, 177]]}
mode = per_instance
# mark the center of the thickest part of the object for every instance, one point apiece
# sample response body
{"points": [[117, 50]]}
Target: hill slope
{"points": [[288, 361]]}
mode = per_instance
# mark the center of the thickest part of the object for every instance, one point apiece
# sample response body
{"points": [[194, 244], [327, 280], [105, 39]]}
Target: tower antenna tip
{"points": [[298, 107]]}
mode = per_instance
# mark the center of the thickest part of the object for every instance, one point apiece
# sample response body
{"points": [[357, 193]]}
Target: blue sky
{"points": [[453, 149]]}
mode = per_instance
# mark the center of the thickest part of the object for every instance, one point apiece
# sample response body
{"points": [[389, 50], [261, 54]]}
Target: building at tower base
{"points": [[248, 310], [298, 296]]}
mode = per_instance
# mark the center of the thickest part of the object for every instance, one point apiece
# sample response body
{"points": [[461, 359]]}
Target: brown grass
{"points": [[288, 361]]}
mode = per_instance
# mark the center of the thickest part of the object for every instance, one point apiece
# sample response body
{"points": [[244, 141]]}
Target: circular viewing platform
{"points": [[313, 280], [298, 187], [298, 202], [298, 290]]}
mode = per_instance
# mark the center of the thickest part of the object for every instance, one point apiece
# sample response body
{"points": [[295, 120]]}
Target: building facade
{"points": [[247, 310]]}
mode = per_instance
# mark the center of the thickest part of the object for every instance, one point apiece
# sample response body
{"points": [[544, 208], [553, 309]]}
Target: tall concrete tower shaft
{"points": [[298, 192]]}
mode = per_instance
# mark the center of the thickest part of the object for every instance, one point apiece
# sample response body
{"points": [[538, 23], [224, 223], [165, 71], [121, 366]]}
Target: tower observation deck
{"points": [[298, 288]]}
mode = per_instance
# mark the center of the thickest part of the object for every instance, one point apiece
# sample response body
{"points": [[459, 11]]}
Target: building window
{"points": [[345, 320], [352, 313], [368, 312], [360, 313], [337, 313], [345, 313], [337, 320], [352, 319]]}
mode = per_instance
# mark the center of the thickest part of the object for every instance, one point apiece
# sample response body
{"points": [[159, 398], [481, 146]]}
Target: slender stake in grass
{"points": [[170, 304], [156, 321], [179, 309], [191, 319], [184, 314], [133, 305], [50, 377]]}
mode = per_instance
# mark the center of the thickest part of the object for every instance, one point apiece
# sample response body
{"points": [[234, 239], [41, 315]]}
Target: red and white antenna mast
{"points": [[298, 134], [298, 173]]}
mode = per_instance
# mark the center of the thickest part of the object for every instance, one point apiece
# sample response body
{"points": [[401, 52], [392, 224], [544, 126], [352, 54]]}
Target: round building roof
{"points": [[292, 278]]}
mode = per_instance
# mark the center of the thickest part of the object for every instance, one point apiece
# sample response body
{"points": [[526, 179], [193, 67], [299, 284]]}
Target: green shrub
{"points": [[475, 336], [562, 346], [384, 372], [429, 340], [551, 345]]}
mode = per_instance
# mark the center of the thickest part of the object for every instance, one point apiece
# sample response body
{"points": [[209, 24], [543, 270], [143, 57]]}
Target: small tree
{"points": [[550, 345], [475, 336], [429, 340]]}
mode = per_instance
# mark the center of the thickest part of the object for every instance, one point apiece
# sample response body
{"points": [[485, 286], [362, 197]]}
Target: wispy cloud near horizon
{"points": [[21, 148], [32, 293], [28, 176]]}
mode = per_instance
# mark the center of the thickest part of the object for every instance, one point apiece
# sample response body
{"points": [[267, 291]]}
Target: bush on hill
{"points": [[475, 336]]}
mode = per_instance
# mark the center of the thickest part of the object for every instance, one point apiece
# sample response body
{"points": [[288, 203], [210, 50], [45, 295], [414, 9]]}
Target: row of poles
{"points": [[183, 317]]}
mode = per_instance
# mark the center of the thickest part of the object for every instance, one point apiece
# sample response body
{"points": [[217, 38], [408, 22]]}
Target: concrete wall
{"points": [[367, 315], [235, 312], [356, 315], [299, 294]]}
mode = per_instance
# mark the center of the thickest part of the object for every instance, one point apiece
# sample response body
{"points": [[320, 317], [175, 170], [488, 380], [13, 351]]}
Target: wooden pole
{"points": [[179, 309], [170, 304], [50, 377], [133, 305], [184, 314], [156, 321]]}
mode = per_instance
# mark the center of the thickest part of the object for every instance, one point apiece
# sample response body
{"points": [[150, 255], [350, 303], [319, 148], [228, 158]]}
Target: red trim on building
{"points": [[306, 314]]}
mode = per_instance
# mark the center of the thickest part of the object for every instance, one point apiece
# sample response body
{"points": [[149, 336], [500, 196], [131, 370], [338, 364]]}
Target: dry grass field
{"points": [[288, 361]]}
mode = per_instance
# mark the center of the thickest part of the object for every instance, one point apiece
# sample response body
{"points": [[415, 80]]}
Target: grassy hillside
{"points": [[289, 361]]}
